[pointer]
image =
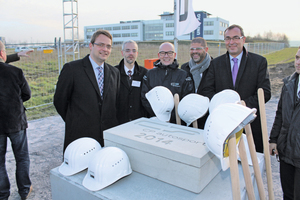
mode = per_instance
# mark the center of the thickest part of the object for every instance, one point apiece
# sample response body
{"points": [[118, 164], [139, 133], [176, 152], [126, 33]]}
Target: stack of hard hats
{"points": [[161, 101], [225, 96], [224, 120], [192, 107], [105, 165]]}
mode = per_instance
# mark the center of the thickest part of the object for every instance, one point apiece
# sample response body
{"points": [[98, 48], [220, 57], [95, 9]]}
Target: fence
{"points": [[42, 69]]}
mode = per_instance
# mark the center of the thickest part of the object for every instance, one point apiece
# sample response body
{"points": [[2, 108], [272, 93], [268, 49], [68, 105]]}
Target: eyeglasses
{"points": [[163, 53], [128, 50], [197, 48], [102, 45], [235, 38]]}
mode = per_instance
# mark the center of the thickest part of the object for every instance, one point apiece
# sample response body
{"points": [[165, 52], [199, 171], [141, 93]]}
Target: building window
{"points": [[221, 32], [116, 35], [116, 28], [134, 34], [107, 28], [210, 32], [89, 30], [88, 37], [134, 27], [209, 23], [168, 25], [169, 33], [125, 27], [125, 34]]}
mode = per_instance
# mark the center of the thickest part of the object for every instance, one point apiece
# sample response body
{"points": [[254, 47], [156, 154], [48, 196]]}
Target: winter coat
{"points": [[129, 104], [286, 128]]}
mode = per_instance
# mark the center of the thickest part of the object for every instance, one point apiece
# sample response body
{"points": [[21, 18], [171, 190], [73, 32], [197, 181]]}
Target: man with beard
{"points": [[129, 103], [242, 71], [166, 73], [197, 68], [199, 62], [87, 91]]}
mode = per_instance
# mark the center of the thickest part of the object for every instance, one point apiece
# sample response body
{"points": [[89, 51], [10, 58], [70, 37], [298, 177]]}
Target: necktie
{"points": [[235, 70], [100, 79], [129, 74]]}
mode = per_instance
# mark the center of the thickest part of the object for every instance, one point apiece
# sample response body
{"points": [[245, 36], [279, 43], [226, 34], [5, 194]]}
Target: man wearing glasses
{"points": [[242, 71], [166, 73], [87, 91], [129, 103]]}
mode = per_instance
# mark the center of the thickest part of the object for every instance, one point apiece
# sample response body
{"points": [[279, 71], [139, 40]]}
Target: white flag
{"points": [[185, 17]]}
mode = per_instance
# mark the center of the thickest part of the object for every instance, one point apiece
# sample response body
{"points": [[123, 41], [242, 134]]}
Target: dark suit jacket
{"points": [[12, 58], [252, 75], [77, 99], [129, 103], [14, 90]]}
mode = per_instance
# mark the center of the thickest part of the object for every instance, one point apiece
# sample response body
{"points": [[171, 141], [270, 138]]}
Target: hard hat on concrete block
{"points": [[192, 107], [108, 165], [225, 120], [161, 101], [225, 96], [78, 154]]}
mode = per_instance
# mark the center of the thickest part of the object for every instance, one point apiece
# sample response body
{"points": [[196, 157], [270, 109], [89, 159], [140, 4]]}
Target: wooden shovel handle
{"points": [[263, 119], [176, 102]]}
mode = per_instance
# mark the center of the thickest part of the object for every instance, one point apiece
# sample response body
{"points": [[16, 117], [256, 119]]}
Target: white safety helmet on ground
{"points": [[192, 107], [225, 96], [225, 120], [78, 154], [161, 101], [108, 165]]}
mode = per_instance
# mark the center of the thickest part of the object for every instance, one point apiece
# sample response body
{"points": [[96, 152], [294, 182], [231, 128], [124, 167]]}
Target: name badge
{"points": [[136, 83]]}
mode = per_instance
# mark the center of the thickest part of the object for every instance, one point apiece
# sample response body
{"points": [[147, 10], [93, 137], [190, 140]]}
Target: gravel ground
{"points": [[45, 139]]}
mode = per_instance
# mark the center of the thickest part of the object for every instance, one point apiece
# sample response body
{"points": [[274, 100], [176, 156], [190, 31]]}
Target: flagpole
{"points": [[175, 27]]}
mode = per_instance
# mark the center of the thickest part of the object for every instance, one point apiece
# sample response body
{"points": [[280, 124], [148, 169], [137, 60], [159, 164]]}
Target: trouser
{"points": [[290, 181], [20, 149]]}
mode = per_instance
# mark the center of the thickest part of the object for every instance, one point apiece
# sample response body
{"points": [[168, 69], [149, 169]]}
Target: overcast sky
{"points": [[41, 20]]}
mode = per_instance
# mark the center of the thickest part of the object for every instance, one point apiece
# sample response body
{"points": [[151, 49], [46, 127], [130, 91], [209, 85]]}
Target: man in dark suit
{"points": [[242, 71], [14, 90], [129, 103], [87, 91]]}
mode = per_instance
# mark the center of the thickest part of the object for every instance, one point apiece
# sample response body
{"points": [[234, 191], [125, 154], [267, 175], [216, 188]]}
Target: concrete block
{"points": [[168, 152]]}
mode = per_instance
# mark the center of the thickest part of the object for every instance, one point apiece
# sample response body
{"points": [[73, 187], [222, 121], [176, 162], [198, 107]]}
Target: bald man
{"points": [[166, 73]]}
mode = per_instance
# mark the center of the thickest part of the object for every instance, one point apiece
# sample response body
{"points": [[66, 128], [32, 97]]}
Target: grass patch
{"points": [[286, 55]]}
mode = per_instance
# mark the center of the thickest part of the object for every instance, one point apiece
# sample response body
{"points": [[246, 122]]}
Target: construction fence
{"points": [[42, 68]]}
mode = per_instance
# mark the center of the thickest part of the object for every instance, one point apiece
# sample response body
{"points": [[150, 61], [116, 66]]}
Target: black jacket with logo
{"points": [[176, 80]]}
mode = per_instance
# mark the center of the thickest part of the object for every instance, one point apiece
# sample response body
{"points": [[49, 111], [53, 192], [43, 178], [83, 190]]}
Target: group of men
{"points": [[92, 96]]}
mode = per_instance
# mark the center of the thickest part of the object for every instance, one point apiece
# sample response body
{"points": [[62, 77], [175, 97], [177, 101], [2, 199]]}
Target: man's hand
{"points": [[24, 53], [273, 149]]}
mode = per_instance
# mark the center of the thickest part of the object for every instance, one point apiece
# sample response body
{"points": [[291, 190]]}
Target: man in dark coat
{"points": [[14, 90], [197, 68], [129, 103], [85, 96], [16, 56], [166, 73], [285, 134], [251, 74]]}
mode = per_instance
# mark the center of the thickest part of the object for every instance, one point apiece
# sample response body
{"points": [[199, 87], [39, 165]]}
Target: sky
{"points": [[35, 21]]}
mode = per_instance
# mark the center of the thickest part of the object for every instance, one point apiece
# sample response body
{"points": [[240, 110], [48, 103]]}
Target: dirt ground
{"points": [[277, 73]]}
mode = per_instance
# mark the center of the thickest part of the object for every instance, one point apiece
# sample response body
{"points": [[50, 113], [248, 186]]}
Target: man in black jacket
{"points": [[14, 90], [197, 68], [129, 103], [17, 56], [166, 73], [285, 134]]}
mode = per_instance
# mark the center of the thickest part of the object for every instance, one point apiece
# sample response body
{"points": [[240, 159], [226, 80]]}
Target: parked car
{"points": [[19, 49], [41, 48]]}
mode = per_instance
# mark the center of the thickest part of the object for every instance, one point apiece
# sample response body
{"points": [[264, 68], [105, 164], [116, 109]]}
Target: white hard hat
{"points": [[192, 107], [225, 120], [78, 154], [108, 165], [225, 96], [161, 101]]}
